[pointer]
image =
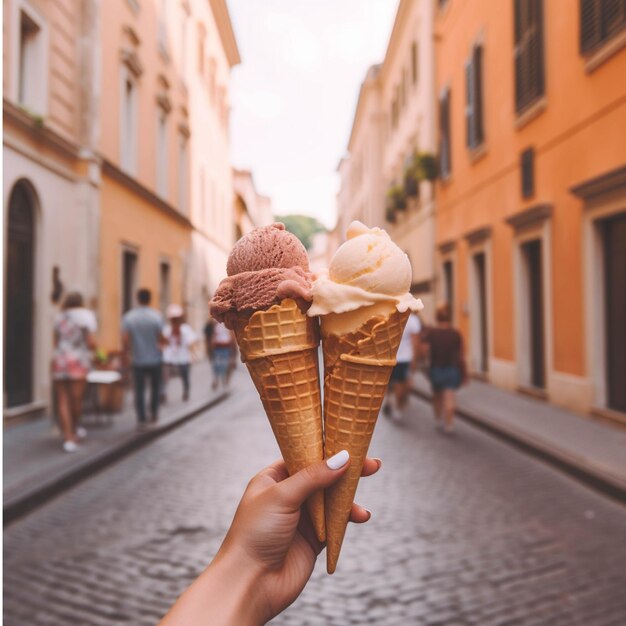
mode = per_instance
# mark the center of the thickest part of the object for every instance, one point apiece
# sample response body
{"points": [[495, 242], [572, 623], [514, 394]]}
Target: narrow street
{"points": [[465, 530]]}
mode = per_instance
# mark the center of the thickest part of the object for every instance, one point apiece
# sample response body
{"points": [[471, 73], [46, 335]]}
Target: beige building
{"points": [[208, 51], [146, 219], [251, 209], [395, 121], [116, 167], [50, 183]]}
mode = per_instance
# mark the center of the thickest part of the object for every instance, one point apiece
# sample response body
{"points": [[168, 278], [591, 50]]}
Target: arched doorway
{"points": [[18, 319]]}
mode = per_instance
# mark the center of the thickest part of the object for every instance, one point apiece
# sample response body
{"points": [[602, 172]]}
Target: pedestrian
{"points": [[447, 370], [180, 339], [406, 363], [269, 552], [142, 337], [222, 348], [74, 340]]}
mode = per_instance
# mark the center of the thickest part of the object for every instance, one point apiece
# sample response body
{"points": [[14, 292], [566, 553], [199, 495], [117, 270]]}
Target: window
{"points": [[529, 70], [129, 279], [445, 160], [162, 27], [527, 166], [203, 208], [161, 171], [394, 114], [183, 172], [128, 126], [31, 70], [201, 43], [403, 87], [599, 21], [474, 98], [448, 278], [164, 285], [183, 45], [414, 63]]}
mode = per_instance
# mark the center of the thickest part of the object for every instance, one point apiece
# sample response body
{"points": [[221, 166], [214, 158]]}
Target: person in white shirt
{"points": [[74, 339], [180, 339], [406, 362]]}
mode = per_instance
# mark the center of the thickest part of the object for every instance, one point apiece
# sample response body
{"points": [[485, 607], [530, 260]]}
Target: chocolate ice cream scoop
{"points": [[267, 247], [267, 265]]}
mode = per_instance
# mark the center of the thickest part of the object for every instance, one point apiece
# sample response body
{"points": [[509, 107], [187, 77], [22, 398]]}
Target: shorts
{"points": [[400, 372], [445, 377], [222, 356]]}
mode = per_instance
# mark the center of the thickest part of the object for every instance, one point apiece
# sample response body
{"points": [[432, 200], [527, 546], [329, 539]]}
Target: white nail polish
{"points": [[338, 460]]}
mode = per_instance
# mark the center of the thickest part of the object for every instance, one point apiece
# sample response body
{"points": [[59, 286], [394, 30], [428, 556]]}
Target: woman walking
{"points": [[447, 371], [222, 353], [180, 339], [74, 339]]}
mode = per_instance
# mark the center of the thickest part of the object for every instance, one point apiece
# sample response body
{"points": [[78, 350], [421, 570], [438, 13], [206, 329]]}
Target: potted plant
{"points": [[397, 197], [426, 166], [390, 214], [411, 183]]}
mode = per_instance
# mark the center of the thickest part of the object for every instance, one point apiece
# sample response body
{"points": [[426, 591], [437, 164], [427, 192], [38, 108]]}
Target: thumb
{"points": [[294, 490]]}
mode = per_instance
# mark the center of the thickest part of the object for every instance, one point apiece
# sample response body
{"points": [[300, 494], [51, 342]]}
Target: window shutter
{"points": [[478, 95], [529, 70], [470, 138], [613, 16], [600, 20], [535, 49], [527, 166], [444, 131]]}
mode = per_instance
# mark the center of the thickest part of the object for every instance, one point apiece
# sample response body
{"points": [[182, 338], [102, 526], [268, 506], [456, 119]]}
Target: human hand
{"points": [[269, 551]]}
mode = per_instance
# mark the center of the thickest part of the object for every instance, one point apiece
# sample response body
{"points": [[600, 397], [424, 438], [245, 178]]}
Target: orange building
{"points": [[531, 203]]}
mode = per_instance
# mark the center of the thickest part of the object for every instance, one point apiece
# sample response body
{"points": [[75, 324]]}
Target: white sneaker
{"points": [[396, 414], [70, 446], [81, 432]]}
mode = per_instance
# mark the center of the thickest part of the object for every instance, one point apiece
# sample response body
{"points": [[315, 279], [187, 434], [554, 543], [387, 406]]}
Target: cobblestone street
{"points": [[465, 530]]}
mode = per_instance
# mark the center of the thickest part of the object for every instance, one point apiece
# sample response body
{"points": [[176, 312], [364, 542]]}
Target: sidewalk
{"points": [[36, 468], [592, 450]]}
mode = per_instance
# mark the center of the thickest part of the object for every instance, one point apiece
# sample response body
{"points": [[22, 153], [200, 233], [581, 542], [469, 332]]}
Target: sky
{"points": [[294, 95]]}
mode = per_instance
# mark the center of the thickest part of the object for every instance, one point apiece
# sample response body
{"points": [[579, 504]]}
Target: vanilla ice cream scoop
{"points": [[371, 261], [368, 269]]}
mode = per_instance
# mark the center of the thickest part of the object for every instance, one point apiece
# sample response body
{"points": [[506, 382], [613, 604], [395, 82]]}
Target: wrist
{"points": [[234, 580], [226, 593]]}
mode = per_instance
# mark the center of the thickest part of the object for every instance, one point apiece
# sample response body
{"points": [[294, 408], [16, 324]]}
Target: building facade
{"points": [[394, 123], [212, 52], [50, 184], [116, 167], [251, 209], [531, 201], [144, 118]]}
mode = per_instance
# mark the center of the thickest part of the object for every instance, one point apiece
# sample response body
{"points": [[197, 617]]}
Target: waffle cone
{"points": [[279, 347], [357, 367]]}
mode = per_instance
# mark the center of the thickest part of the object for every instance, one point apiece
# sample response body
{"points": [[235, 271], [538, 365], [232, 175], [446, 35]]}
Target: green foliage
{"points": [[302, 226], [396, 197], [423, 166]]}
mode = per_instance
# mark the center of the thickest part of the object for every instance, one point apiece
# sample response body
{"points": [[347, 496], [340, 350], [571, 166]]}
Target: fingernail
{"points": [[379, 461], [369, 513], [338, 460]]}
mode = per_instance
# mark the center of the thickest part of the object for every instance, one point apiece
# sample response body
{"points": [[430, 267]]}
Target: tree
{"points": [[302, 226]]}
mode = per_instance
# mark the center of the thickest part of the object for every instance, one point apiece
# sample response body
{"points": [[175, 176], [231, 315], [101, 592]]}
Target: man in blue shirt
{"points": [[142, 329]]}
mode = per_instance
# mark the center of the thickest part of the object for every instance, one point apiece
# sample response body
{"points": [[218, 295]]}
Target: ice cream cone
{"points": [[357, 367], [279, 347]]}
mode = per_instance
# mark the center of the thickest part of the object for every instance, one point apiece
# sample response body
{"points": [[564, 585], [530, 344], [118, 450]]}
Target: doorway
{"points": [[614, 235], [481, 312], [129, 279], [533, 269], [19, 308]]}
